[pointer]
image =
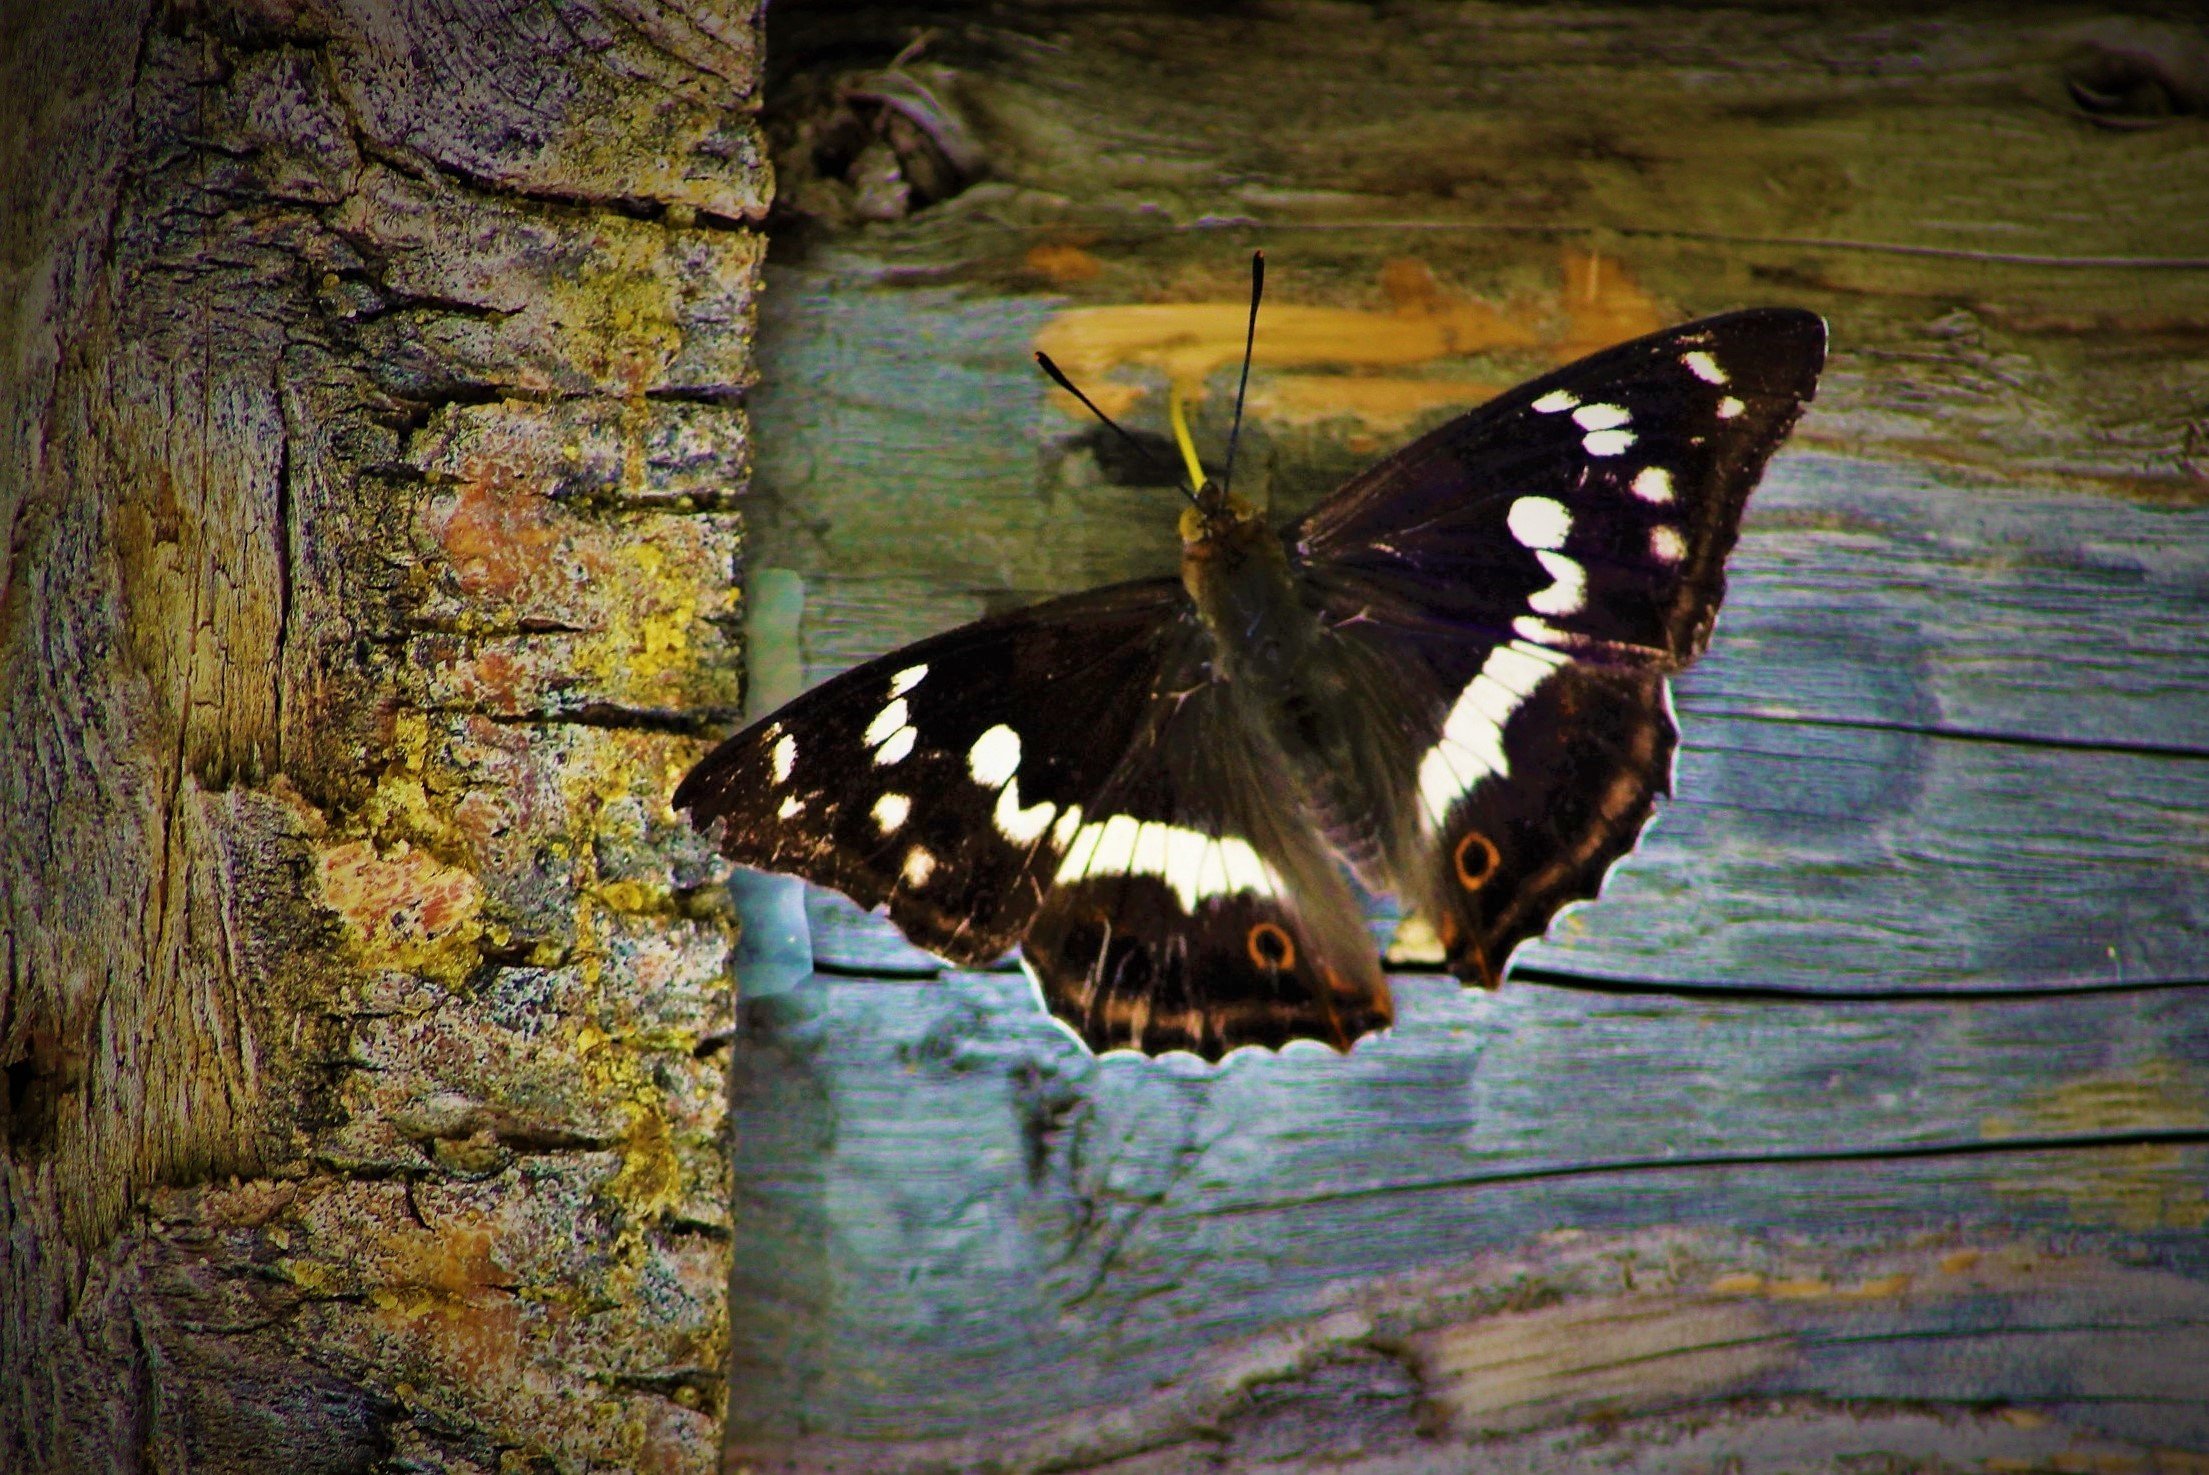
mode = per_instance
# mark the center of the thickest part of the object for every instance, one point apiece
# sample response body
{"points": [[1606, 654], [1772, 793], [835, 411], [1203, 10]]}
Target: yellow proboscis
{"points": [[1182, 438]]}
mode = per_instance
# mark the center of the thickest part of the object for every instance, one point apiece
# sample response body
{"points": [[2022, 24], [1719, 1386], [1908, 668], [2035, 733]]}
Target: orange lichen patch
{"points": [[1380, 402], [483, 676], [1956, 1262], [403, 909], [1061, 263], [1603, 305], [1598, 304], [506, 544], [1740, 1283], [458, 1262], [540, 603]]}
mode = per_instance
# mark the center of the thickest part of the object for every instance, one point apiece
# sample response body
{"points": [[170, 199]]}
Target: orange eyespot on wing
{"points": [[1476, 859], [1271, 947]]}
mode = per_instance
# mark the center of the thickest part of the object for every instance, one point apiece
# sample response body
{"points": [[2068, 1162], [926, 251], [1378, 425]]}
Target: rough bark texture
{"points": [[370, 437]]}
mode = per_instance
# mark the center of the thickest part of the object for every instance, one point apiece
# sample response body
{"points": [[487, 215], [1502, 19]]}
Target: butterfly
{"points": [[1447, 681]]}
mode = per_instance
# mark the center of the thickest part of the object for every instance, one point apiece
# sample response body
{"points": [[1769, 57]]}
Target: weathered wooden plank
{"points": [[1826, 857], [1874, 608], [937, 482], [1007, 1228], [1948, 736]]}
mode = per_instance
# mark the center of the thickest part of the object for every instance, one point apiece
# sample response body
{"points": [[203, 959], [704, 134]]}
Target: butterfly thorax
{"points": [[1281, 677], [1237, 572]]}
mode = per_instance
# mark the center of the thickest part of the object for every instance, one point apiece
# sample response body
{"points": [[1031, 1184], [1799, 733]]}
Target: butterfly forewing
{"points": [[945, 779], [1600, 500]]}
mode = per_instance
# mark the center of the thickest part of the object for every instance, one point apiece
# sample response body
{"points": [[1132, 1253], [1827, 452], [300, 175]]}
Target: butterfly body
{"points": [[1447, 681]]}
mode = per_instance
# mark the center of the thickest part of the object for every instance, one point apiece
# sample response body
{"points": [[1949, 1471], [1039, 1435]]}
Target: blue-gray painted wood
{"points": [[982, 1195], [1953, 734]]}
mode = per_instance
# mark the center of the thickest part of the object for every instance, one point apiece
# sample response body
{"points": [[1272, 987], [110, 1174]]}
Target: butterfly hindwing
{"points": [[1540, 776], [1067, 775], [1198, 909]]}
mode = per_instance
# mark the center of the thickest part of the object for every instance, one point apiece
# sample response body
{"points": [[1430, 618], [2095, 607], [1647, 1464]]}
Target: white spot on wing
{"points": [[1555, 400], [1471, 747], [995, 757], [1115, 852], [1062, 833], [1730, 407], [1653, 484], [1607, 442], [1540, 632], [886, 722], [890, 735], [1520, 668], [1539, 522], [1600, 417], [1703, 367], [1021, 826], [905, 680], [1665, 543], [896, 749], [791, 808], [1212, 871], [1194, 864], [1081, 853], [890, 811], [785, 757], [1568, 593], [919, 866]]}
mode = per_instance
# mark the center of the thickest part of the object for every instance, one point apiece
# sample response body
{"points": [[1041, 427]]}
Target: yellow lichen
{"points": [[402, 807], [2140, 1186]]}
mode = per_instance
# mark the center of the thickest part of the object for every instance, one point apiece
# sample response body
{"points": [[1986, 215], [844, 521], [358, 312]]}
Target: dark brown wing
{"points": [[1198, 908], [1068, 775], [940, 780]]}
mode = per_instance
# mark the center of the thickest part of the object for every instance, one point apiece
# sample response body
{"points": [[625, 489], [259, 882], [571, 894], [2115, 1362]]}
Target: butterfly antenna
{"points": [[1250, 341], [1058, 377]]}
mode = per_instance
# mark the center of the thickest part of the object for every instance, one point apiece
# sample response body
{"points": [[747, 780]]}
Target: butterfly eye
{"points": [[1270, 947], [1476, 859]]}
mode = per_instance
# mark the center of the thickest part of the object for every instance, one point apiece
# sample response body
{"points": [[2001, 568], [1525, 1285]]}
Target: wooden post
{"points": [[367, 477]]}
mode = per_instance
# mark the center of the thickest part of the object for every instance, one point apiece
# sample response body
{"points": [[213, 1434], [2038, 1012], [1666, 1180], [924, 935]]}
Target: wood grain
{"points": [[1865, 1122]]}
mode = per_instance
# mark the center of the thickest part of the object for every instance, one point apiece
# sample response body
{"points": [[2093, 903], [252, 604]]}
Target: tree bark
{"points": [[371, 444]]}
